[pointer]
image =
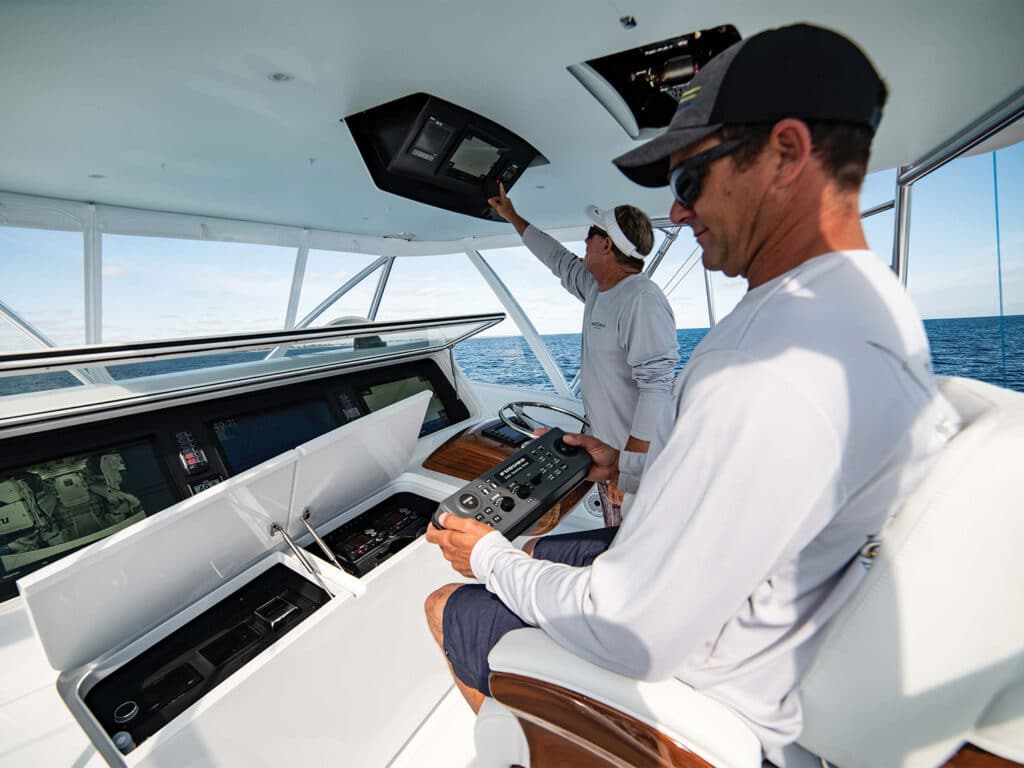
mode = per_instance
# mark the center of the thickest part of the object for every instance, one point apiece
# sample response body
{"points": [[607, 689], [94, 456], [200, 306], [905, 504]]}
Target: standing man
{"points": [[800, 424], [629, 346]]}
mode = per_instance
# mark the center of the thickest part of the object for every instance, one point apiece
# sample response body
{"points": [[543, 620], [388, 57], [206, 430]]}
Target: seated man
{"points": [[801, 423]]}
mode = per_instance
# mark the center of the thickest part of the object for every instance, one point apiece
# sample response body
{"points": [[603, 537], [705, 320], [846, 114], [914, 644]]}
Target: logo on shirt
{"points": [[597, 324]]}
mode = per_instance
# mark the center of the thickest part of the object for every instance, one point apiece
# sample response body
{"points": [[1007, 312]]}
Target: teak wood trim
{"points": [[470, 453], [971, 756], [567, 729]]}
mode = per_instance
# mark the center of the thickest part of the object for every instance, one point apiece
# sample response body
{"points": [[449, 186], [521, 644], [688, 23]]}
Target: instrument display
{"points": [[248, 440], [52, 508]]}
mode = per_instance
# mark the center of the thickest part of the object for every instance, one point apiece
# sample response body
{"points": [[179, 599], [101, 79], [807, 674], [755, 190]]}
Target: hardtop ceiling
{"points": [[172, 102]]}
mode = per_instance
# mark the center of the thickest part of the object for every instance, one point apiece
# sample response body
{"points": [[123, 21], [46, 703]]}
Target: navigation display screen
{"points": [[382, 395], [248, 440], [53, 508], [474, 158], [431, 139]]}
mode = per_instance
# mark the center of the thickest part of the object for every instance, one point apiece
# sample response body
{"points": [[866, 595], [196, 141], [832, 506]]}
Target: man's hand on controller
{"points": [[457, 539], [605, 458]]}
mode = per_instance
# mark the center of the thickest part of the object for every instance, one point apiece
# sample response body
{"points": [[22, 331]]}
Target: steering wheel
{"points": [[517, 411]]}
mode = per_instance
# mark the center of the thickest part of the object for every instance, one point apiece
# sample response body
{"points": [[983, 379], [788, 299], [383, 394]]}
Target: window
{"points": [[326, 271], [879, 187], [878, 230], [681, 277], [41, 279], [960, 273], [556, 314], [162, 288]]}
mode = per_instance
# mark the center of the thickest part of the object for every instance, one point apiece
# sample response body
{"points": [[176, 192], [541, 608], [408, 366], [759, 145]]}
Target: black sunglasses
{"points": [[685, 179], [595, 231]]}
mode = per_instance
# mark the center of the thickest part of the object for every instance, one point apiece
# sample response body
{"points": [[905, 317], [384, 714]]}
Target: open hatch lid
{"points": [[116, 590]]}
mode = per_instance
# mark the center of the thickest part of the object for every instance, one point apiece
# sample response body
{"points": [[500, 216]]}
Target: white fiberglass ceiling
{"points": [[172, 102]]}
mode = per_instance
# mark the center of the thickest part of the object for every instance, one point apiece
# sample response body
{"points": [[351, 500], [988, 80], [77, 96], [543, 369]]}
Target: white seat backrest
{"points": [[935, 633]]}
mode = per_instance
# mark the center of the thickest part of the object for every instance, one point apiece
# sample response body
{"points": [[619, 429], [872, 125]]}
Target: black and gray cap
{"points": [[799, 71]]}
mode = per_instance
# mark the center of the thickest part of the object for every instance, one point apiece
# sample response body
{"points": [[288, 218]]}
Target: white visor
{"points": [[606, 221]]}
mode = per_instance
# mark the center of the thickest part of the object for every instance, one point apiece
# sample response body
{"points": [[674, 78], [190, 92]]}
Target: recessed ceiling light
{"points": [[280, 77], [97, 176]]}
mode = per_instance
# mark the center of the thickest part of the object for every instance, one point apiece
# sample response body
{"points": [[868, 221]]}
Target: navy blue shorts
{"points": [[475, 620]]}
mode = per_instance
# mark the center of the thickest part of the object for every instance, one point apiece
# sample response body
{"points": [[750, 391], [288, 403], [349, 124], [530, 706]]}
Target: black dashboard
{"points": [[62, 490]]}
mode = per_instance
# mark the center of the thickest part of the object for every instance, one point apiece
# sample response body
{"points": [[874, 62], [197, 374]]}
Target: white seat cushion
{"points": [[935, 633], [696, 722]]}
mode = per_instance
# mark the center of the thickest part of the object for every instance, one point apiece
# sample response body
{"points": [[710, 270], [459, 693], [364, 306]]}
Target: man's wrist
{"points": [[481, 558]]}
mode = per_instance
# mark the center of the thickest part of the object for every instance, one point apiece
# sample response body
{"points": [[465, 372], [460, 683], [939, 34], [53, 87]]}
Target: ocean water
{"points": [[986, 348]]}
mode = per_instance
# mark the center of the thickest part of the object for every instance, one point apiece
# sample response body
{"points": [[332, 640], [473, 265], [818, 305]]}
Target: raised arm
{"points": [[504, 208], [563, 263]]}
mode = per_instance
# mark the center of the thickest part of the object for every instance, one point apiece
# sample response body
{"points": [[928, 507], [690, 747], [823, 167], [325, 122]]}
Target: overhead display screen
{"points": [[53, 508], [248, 440], [431, 139], [474, 158], [382, 395]]}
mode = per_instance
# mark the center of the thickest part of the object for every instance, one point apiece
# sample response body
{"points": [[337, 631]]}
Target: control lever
{"points": [[513, 495]]}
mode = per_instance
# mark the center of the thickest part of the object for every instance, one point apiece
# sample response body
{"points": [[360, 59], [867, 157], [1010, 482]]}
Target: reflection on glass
{"points": [[50, 509], [382, 395]]}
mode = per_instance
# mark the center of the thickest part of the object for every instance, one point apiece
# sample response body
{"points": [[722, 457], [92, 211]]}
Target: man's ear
{"points": [[790, 142]]}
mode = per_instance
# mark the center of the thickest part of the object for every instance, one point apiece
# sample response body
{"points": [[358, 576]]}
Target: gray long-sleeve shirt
{"points": [[630, 348]]}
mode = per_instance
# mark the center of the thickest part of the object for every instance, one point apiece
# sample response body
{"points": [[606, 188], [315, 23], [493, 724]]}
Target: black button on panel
{"points": [[469, 501], [507, 503]]}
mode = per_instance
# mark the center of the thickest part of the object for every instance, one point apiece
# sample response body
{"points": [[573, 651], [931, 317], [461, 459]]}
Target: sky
{"points": [[164, 288]]}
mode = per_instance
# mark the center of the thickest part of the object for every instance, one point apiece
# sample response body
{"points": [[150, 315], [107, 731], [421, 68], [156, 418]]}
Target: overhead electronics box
{"points": [[641, 87], [435, 152]]}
